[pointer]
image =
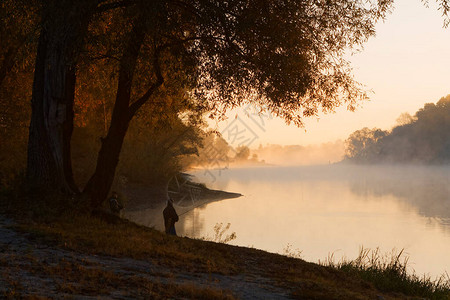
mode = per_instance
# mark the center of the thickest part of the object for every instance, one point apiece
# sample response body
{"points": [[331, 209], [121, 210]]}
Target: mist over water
{"points": [[334, 209], [289, 155]]}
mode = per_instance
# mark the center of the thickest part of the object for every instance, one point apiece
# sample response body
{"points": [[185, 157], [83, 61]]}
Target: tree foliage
{"points": [[18, 30], [284, 56], [362, 145], [444, 8], [242, 153], [18, 34]]}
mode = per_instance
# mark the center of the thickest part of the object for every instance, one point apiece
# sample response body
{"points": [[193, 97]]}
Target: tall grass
{"points": [[389, 273], [291, 252], [220, 234]]}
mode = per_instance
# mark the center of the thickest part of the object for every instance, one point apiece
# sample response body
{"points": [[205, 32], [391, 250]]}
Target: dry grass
{"points": [[79, 280], [67, 276], [389, 272], [123, 239]]}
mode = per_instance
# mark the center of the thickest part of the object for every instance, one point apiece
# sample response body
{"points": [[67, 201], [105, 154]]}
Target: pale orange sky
{"points": [[406, 65]]}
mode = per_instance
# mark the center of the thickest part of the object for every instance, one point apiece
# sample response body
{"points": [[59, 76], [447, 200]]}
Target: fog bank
{"points": [[290, 155]]}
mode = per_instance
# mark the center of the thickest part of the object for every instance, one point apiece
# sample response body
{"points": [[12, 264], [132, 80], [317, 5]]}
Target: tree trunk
{"points": [[49, 160], [41, 167], [101, 181]]}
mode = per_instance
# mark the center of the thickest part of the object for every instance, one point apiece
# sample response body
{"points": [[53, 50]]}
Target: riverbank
{"points": [[57, 253], [145, 203]]}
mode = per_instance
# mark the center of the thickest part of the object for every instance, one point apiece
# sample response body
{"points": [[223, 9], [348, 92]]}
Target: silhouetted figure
{"points": [[170, 217], [114, 204]]}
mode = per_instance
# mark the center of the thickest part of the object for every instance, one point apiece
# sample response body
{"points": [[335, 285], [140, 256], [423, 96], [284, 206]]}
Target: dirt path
{"points": [[30, 268]]}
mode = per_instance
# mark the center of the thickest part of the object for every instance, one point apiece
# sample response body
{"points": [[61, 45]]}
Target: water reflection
{"points": [[328, 209], [427, 189]]}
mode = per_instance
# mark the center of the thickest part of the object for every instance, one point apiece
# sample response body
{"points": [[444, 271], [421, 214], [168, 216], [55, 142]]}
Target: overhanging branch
{"points": [[159, 81], [113, 5], [159, 77]]}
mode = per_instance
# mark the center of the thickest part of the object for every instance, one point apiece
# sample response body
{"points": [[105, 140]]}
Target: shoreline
{"points": [[147, 210]]}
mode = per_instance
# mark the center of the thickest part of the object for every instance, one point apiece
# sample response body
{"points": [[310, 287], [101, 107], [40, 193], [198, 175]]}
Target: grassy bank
{"points": [[71, 229], [389, 272]]}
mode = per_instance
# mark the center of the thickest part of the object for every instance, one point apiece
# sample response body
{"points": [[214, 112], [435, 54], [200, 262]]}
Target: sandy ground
{"points": [[25, 264]]}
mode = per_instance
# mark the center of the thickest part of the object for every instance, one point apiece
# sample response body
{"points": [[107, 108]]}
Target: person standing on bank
{"points": [[114, 204], [170, 217]]}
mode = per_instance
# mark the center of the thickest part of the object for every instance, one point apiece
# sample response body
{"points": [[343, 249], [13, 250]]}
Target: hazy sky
{"points": [[406, 65]]}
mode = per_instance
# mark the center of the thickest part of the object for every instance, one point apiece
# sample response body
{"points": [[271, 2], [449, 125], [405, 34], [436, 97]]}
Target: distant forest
{"points": [[422, 138]]}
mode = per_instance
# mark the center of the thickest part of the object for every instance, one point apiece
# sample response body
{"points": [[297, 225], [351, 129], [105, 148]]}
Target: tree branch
{"points": [[159, 78], [113, 5], [188, 7], [104, 56], [159, 81]]}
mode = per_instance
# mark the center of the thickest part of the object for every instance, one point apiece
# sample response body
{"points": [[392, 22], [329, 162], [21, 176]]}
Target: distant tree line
{"points": [[422, 138]]}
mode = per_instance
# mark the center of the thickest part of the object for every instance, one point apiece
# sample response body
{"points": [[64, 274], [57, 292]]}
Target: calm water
{"points": [[325, 210]]}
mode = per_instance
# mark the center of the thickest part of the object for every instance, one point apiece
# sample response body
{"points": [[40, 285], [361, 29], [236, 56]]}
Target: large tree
{"points": [[62, 29], [286, 56]]}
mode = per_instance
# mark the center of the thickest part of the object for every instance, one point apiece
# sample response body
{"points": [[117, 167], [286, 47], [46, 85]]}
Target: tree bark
{"points": [[49, 160], [41, 168]]}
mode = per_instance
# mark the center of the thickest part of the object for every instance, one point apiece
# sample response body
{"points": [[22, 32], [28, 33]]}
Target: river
{"points": [[333, 210]]}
